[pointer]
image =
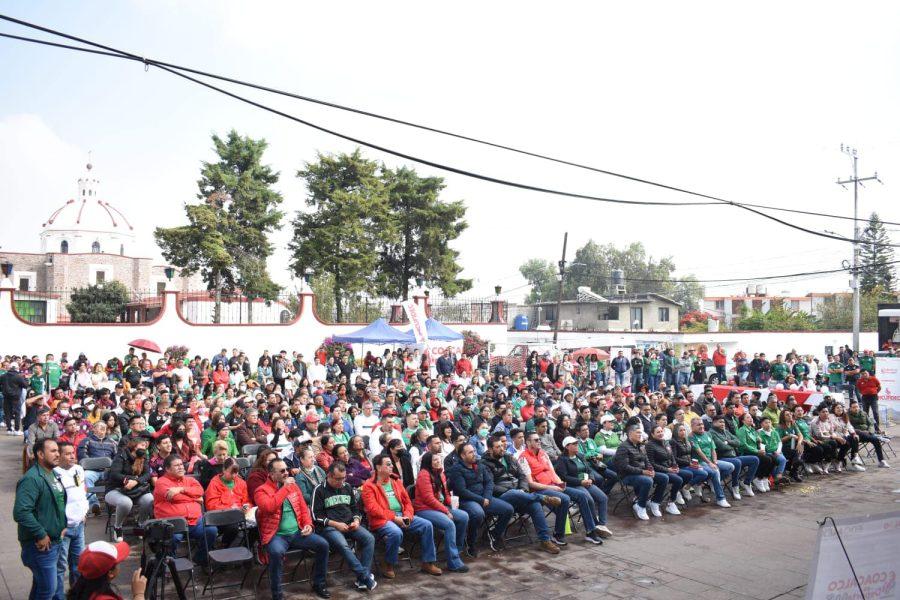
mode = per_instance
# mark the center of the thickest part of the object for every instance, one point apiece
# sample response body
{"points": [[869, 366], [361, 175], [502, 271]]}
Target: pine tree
{"points": [[876, 257]]}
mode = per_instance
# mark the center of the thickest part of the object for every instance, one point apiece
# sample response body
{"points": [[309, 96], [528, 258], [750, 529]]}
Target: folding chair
{"points": [[244, 464], [252, 450], [627, 494], [185, 563], [299, 553], [228, 558], [101, 464]]}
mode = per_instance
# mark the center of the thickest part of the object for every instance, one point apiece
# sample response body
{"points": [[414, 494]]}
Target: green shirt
{"points": [[770, 439], [54, 373], [288, 524], [653, 366], [803, 426], [704, 443], [37, 383], [588, 448], [779, 371], [835, 372], [608, 439], [749, 440], [773, 414], [867, 363], [393, 502], [792, 430], [59, 495]]}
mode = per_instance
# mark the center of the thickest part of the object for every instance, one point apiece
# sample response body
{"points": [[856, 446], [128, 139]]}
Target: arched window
{"points": [[64, 247], [95, 247]]}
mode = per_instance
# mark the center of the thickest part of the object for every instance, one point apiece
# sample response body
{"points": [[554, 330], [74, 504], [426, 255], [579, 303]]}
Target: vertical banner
{"points": [[417, 318], [887, 370]]}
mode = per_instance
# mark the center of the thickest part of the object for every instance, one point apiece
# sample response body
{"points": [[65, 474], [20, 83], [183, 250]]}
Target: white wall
{"points": [[100, 341]]}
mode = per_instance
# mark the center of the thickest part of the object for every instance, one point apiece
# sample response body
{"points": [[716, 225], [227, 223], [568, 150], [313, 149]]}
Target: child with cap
{"points": [[98, 567]]}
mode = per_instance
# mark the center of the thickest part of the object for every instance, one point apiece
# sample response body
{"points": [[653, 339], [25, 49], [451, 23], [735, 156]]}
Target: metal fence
{"points": [[201, 307], [79, 306], [461, 310]]}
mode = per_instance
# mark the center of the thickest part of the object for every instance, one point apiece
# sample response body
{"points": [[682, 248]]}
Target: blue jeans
{"points": [[477, 512], [717, 475], [675, 484], [642, 485], [637, 380], [671, 379], [591, 502], [620, 379], [653, 382], [739, 462], [365, 544], [90, 480], [561, 511], [70, 548], [781, 463], [523, 502], [599, 378], [198, 534], [454, 532], [392, 534], [683, 379], [43, 569], [692, 476], [606, 480], [280, 544]]}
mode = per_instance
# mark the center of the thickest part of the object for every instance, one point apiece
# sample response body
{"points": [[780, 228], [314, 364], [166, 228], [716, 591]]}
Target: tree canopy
{"points": [[876, 257], [100, 303]]}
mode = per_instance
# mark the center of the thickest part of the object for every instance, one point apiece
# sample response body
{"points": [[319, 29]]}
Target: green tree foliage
{"points": [[226, 238], [101, 303], [593, 265], [425, 226], [776, 319], [876, 259], [837, 313], [349, 223]]}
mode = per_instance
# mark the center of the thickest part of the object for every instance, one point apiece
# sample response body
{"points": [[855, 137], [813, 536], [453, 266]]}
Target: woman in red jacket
{"points": [[432, 502], [228, 490], [260, 471], [220, 375]]}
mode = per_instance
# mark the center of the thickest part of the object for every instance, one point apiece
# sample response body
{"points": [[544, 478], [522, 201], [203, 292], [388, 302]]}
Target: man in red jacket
{"points": [[175, 495], [868, 387], [390, 513], [285, 524]]}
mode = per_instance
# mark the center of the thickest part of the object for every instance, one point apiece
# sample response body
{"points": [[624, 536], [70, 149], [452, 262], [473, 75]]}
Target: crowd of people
{"points": [[446, 450]]}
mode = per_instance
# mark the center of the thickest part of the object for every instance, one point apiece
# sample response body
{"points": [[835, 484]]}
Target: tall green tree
{"points": [[226, 238], [348, 225], [876, 257], [425, 226], [688, 291], [541, 275], [100, 303]]}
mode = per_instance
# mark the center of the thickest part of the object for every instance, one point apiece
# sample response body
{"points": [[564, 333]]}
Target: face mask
{"points": [[64, 413], [140, 452], [482, 433], [178, 435]]}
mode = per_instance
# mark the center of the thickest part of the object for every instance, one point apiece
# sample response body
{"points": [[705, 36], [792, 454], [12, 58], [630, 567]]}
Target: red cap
{"points": [[98, 558], [312, 417]]}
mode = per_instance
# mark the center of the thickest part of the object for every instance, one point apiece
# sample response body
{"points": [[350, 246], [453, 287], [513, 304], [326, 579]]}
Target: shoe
{"points": [[371, 584], [826, 468], [686, 494], [817, 469], [679, 499], [747, 490], [362, 584], [460, 569], [117, 533], [549, 547], [809, 469], [20, 433], [758, 484], [857, 460], [551, 501], [388, 571], [796, 478], [559, 541], [672, 509], [736, 492], [431, 569], [594, 538], [494, 541], [654, 509], [723, 503], [95, 510], [838, 466], [640, 512], [471, 551], [603, 531], [856, 468], [767, 484], [321, 591], [883, 464]]}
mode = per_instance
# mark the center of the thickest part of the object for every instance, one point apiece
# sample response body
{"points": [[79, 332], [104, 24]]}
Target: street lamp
{"points": [[7, 270], [170, 272], [497, 290]]}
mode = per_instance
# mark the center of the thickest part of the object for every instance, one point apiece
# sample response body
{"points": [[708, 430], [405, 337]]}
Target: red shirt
{"points": [[183, 504], [868, 386]]}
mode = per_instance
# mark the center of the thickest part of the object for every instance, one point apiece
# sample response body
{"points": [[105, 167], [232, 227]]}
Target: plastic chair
{"points": [[228, 558]]}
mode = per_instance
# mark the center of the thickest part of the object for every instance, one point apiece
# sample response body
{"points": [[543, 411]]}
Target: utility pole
{"points": [[854, 269], [561, 276]]}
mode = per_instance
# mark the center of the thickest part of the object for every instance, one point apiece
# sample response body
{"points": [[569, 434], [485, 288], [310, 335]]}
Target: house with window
{"points": [[729, 308], [592, 312]]}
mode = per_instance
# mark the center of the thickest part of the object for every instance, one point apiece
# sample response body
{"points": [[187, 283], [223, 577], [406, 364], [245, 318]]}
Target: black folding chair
{"points": [[244, 464], [251, 450], [627, 494], [228, 558], [300, 554], [183, 562]]}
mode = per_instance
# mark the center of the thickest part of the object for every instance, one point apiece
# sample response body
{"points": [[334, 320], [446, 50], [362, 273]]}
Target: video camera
{"points": [[159, 537]]}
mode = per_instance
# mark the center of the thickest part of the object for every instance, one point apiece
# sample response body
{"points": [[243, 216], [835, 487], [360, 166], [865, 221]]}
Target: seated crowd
{"points": [[336, 456]]}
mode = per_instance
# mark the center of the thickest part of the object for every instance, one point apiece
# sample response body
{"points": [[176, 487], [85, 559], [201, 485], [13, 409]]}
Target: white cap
{"points": [[569, 440]]}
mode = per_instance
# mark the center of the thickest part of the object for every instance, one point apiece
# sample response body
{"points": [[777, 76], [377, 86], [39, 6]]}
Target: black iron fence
{"points": [[461, 310], [82, 306]]}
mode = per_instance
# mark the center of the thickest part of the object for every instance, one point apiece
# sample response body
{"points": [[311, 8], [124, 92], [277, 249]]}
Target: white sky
{"points": [[747, 104]]}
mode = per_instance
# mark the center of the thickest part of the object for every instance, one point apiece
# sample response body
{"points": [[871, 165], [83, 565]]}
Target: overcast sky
{"points": [[751, 105]]}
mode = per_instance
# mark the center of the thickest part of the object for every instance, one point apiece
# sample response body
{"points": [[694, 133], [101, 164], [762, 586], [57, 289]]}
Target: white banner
{"points": [[887, 370], [871, 543], [417, 318]]}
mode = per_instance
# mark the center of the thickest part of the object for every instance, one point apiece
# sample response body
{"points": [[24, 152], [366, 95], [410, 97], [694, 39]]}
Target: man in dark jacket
{"points": [[12, 385], [444, 364], [630, 462], [40, 511], [250, 431], [578, 474], [336, 515], [473, 483]]}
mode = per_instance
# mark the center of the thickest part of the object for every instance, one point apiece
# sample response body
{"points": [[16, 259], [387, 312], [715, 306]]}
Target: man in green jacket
{"points": [[40, 511], [727, 447]]}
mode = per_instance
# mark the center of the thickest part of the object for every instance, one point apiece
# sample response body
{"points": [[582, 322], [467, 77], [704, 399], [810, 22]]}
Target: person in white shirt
{"points": [[367, 421], [71, 475], [386, 427], [185, 377], [317, 373]]}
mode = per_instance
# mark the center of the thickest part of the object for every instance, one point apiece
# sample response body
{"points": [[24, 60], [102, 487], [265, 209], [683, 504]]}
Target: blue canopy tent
{"points": [[378, 332], [438, 331]]}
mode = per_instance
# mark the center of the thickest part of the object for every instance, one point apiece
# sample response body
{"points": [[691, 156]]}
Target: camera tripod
{"points": [[155, 572]]}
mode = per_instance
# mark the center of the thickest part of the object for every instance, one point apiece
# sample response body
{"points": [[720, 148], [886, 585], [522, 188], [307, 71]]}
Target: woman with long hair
{"points": [[98, 376], [112, 426], [401, 461], [359, 467], [752, 445], [129, 483], [688, 467], [432, 502], [259, 472], [843, 428], [791, 444]]}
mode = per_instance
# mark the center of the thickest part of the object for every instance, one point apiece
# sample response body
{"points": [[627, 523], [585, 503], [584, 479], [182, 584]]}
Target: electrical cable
{"points": [[434, 164], [430, 129]]}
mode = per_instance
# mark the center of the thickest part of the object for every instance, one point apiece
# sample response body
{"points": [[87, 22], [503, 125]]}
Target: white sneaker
{"points": [[767, 485], [736, 492], [855, 467], [808, 468], [686, 494], [883, 464], [672, 509], [758, 484], [20, 433], [639, 512], [748, 491], [654, 509], [857, 460], [723, 503], [838, 466], [825, 469], [679, 499]]}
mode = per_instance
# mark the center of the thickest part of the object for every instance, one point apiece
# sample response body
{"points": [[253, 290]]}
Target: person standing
{"points": [[71, 475], [868, 387], [40, 511], [12, 386]]}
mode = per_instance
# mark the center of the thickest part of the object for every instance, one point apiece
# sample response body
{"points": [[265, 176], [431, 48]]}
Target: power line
{"points": [[423, 161], [123, 54]]}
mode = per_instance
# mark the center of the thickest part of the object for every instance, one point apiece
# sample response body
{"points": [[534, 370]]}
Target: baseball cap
{"points": [[606, 418], [569, 440], [99, 557], [312, 417]]}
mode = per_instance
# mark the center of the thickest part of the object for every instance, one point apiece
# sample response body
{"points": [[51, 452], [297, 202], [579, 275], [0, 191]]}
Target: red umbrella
{"points": [[145, 345], [586, 352]]}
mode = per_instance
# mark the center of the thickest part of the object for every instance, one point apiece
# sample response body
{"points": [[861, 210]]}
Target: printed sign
{"points": [[887, 370], [417, 318]]}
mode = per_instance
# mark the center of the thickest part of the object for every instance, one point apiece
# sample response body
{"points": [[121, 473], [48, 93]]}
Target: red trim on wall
{"points": [[12, 307], [180, 316]]}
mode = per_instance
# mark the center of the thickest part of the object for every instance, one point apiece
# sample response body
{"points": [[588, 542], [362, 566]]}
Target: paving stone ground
{"points": [[760, 549]]}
